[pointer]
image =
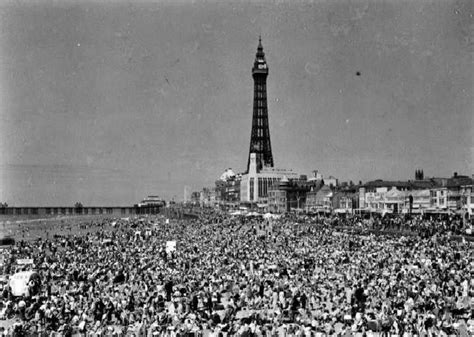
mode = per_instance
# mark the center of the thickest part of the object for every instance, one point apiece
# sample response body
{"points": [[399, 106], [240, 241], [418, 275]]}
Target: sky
{"points": [[107, 102]]}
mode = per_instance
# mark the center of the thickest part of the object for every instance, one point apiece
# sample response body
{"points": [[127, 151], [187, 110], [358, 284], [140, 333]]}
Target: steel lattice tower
{"points": [[260, 136]]}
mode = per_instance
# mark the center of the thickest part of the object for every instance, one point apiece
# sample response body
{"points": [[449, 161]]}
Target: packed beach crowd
{"points": [[243, 276]]}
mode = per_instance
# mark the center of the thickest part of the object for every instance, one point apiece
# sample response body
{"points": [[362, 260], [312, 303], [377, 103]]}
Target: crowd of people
{"points": [[427, 225], [237, 276]]}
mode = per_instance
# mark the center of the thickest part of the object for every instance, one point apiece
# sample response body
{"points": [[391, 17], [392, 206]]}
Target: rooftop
{"points": [[421, 184]]}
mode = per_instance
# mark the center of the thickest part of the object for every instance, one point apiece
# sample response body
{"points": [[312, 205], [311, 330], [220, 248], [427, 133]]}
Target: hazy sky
{"points": [[107, 102]]}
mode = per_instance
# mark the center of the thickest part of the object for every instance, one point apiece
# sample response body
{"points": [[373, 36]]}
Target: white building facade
{"points": [[254, 185]]}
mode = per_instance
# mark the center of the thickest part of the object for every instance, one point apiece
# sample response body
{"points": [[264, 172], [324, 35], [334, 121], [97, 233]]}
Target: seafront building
{"points": [[255, 184]]}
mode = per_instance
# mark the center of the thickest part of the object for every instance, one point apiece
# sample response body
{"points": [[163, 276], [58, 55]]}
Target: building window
{"points": [[251, 185]]}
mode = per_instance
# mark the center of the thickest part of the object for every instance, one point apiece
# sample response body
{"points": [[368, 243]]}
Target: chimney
{"points": [[455, 174]]}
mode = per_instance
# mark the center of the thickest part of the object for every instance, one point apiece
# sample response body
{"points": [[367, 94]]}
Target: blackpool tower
{"points": [[260, 136]]}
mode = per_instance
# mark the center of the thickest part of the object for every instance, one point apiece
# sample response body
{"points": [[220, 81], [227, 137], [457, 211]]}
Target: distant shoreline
{"points": [[14, 219]]}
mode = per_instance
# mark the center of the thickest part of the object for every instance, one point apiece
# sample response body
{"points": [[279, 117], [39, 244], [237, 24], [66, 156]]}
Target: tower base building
{"points": [[255, 184]]}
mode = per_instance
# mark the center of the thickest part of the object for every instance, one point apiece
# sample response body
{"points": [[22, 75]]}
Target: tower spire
{"points": [[260, 54]]}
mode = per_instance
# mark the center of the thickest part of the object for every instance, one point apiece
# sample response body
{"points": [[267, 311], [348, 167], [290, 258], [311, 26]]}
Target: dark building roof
{"points": [[386, 183], [348, 189], [410, 184], [345, 193], [459, 181], [425, 184]]}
